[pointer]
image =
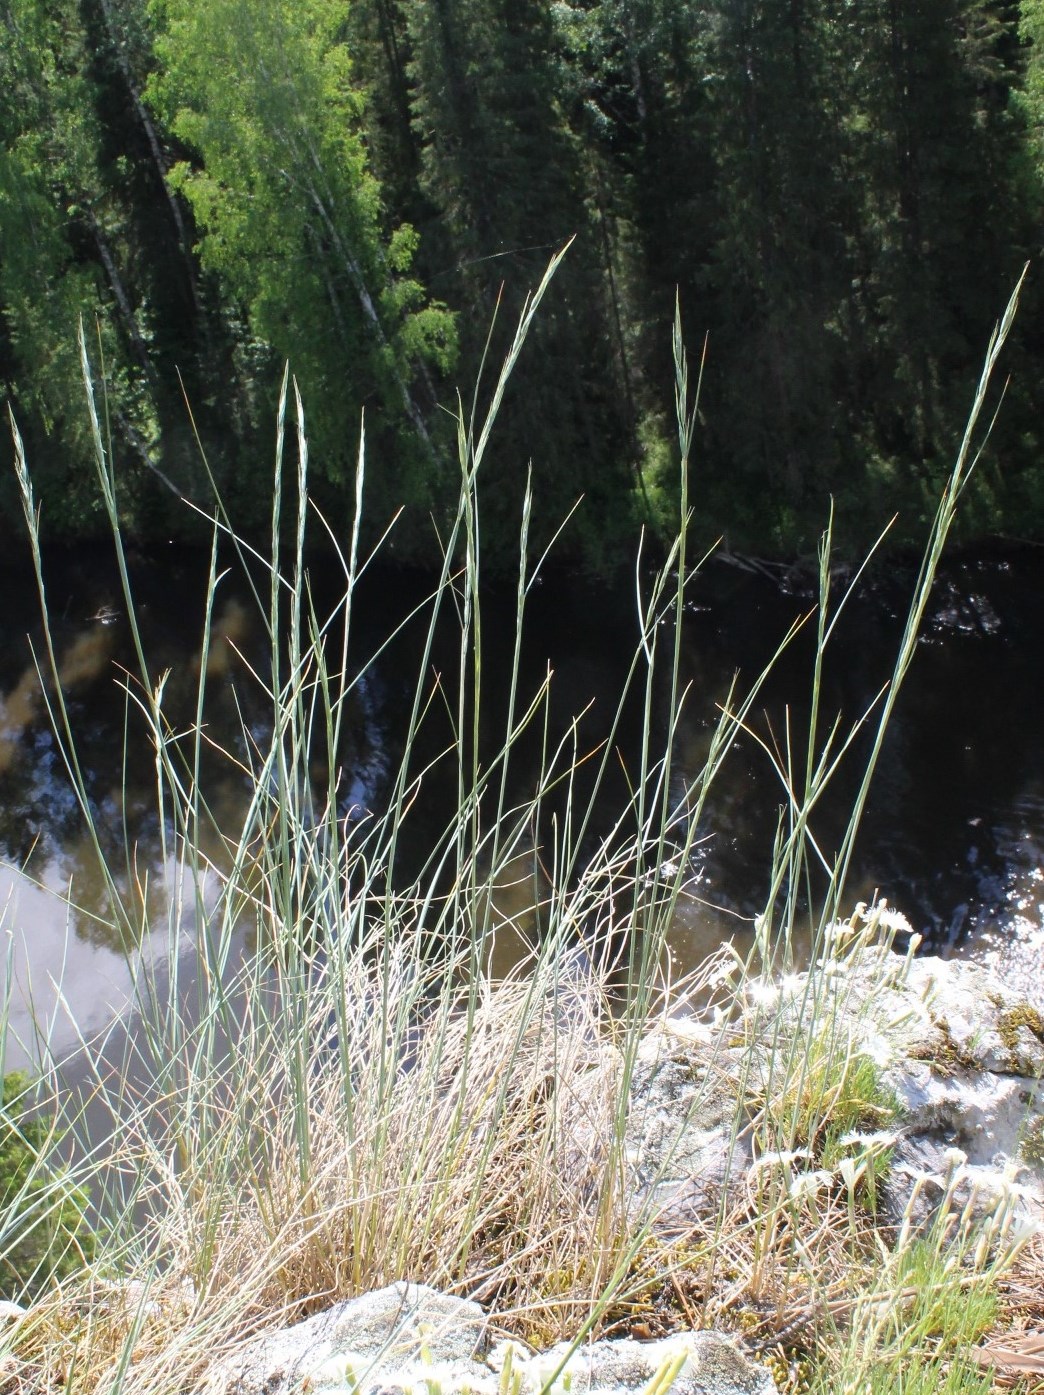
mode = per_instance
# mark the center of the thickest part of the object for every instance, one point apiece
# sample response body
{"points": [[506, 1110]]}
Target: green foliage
{"points": [[44, 1232], [938, 1313], [64, 242], [291, 216], [923, 1376], [839, 197], [830, 1107], [1031, 31], [508, 180], [927, 1303]]}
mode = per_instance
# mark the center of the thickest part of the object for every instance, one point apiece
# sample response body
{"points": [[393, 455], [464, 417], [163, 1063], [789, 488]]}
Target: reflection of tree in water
{"points": [[940, 828], [37, 803], [42, 826], [961, 750], [23, 708]]}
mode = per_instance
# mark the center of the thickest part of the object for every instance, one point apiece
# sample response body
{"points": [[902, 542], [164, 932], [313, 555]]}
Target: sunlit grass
{"points": [[359, 1099]]}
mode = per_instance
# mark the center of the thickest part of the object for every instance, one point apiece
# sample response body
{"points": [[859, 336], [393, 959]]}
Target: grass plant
{"points": [[358, 1099]]}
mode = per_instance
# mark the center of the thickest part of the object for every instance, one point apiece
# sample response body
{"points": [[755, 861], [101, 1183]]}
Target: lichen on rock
{"points": [[958, 1052]]}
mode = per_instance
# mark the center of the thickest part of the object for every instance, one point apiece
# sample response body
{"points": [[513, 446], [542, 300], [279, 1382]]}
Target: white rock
{"points": [[411, 1340], [364, 1344], [710, 1364], [681, 1146], [961, 1050]]}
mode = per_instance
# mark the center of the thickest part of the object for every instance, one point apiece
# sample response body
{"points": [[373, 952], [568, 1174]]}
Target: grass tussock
{"points": [[357, 1098]]}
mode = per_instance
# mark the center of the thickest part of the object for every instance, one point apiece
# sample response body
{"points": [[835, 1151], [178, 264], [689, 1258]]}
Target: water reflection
{"points": [[954, 834], [65, 983]]}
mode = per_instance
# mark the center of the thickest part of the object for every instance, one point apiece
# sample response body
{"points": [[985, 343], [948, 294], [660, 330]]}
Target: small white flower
{"points": [[509, 1347], [762, 993], [954, 1158], [870, 1142], [999, 1181], [810, 1184], [918, 1175], [781, 1159], [851, 1171], [1018, 1191], [1023, 1230], [890, 919], [953, 1180]]}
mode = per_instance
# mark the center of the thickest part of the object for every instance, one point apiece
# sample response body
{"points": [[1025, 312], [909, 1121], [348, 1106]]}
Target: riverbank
{"points": [[839, 1172]]}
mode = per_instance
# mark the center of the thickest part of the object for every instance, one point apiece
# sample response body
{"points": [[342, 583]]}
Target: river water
{"points": [[954, 834]]}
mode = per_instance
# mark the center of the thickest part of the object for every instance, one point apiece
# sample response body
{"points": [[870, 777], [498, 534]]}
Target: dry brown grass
{"points": [[478, 1148]]}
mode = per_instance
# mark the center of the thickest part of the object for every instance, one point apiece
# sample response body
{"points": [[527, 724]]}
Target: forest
{"points": [[839, 197]]}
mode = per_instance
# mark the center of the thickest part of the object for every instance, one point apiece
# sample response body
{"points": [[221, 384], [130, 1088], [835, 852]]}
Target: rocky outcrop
{"points": [[408, 1339], [961, 1053], [964, 1054], [958, 1055]]}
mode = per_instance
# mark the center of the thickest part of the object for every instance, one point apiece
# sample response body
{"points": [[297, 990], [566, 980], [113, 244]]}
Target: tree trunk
{"points": [[159, 159], [119, 291]]}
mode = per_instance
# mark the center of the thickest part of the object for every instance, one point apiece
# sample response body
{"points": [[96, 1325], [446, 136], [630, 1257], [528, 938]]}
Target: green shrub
{"points": [[44, 1231]]}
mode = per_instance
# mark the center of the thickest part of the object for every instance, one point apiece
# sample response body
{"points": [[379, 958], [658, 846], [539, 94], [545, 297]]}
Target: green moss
{"points": [[1011, 1023], [947, 1055], [792, 1370]]}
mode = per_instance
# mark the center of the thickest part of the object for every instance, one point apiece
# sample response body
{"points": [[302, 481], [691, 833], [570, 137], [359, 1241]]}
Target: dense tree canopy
{"points": [[841, 195]]}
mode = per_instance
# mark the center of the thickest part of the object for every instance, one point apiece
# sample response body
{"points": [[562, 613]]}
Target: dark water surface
{"points": [[954, 835]]}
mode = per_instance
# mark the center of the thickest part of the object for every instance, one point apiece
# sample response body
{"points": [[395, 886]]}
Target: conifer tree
{"points": [[778, 273], [940, 231], [506, 178]]}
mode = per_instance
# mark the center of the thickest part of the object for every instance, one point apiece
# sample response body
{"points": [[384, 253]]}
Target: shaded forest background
{"points": [[841, 196]]}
